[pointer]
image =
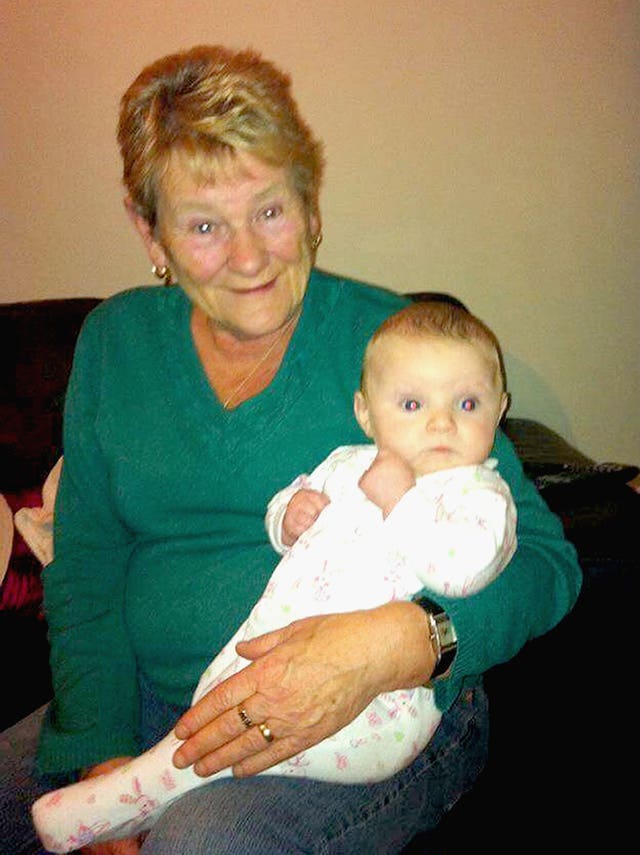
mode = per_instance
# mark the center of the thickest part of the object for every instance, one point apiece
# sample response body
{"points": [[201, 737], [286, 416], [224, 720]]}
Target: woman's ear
{"points": [[361, 412], [156, 253]]}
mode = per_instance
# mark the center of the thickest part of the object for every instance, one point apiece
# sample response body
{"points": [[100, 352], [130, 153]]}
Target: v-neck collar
{"points": [[194, 388]]}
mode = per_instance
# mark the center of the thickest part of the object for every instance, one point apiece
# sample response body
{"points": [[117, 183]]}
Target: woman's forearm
{"points": [[403, 653]]}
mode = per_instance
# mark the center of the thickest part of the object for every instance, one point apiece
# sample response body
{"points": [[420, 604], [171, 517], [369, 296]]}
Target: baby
{"points": [[420, 507]]}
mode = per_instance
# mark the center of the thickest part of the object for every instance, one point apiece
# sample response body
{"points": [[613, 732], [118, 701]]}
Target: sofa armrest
{"points": [[541, 449], [598, 508]]}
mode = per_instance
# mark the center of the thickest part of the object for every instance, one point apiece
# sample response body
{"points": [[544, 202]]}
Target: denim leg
{"points": [[157, 717], [269, 815], [20, 786]]}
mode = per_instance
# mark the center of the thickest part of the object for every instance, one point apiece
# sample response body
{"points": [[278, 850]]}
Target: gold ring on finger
{"points": [[266, 732], [244, 717]]}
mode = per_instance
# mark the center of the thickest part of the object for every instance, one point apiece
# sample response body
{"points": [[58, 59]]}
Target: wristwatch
{"points": [[442, 636]]}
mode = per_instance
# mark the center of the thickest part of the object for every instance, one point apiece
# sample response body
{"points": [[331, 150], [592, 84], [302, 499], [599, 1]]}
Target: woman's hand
{"points": [[302, 511], [305, 682], [128, 846]]}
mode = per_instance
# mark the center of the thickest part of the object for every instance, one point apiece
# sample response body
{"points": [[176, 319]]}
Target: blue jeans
{"points": [[269, 815], [20, 787]]}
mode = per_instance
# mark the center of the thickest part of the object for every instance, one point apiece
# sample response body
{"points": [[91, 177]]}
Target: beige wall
{"points": [[485, 148]]}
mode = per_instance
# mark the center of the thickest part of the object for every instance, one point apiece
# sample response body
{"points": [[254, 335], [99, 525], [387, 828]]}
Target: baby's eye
{"points": [[468, 405], [410, 405]]}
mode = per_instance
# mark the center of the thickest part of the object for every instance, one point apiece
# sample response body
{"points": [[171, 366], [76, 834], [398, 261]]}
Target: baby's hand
{"points": [[387, 480], [302, 511]]}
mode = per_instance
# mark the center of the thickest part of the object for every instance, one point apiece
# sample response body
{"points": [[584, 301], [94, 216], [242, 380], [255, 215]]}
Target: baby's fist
{"points": [[302, 511]]}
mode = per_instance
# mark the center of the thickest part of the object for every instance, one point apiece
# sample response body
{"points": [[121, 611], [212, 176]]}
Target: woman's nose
{"points": [[246, 253]]}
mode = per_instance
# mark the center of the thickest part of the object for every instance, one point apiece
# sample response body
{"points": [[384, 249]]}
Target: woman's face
{"points": [[239, 247]]}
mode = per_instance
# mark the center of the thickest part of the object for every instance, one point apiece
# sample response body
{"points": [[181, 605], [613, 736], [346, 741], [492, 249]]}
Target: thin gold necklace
{"points": [[261, 361]]}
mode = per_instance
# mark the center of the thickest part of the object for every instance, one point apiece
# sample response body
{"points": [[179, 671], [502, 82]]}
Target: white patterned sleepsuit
{"points": [[453, 533]]}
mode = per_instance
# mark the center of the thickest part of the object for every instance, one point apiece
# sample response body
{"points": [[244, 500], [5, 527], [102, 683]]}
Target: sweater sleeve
{"points": [[94, 713], [536, 590]]}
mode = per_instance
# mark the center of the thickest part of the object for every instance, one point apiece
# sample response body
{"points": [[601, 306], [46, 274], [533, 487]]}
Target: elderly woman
{"points": [[188, 407]]}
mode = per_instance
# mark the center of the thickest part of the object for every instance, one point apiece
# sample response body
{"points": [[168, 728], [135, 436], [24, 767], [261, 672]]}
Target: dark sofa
{"points": [[561, 711]]}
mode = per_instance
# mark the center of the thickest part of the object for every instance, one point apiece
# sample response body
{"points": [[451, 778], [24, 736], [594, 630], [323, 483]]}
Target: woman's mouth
{"points": [[257, 289]]}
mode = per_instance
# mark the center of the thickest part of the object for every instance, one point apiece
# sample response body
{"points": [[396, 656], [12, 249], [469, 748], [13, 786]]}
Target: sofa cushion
{"points": [[38, 339]]}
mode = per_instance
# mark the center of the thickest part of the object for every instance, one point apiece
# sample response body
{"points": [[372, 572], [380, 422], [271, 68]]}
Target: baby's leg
{"points": [[121, 803], [129, 799], [385, 738]]}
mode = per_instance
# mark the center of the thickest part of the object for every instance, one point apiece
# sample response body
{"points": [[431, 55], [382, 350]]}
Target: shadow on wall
{"points": [[533, 398]]}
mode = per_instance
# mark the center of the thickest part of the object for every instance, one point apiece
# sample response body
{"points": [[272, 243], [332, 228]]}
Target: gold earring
{"points": [[162, 273], [316, 240]]}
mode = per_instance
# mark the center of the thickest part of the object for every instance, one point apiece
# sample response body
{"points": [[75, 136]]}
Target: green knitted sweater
{"points": [[160, 545]]}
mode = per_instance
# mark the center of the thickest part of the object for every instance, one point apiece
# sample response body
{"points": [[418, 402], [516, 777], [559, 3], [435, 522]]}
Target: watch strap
{"points": [[442, 636]]}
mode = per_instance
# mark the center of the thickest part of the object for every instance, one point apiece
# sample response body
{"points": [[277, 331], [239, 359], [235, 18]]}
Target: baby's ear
{"points": [[361, 411], [505, 403]]}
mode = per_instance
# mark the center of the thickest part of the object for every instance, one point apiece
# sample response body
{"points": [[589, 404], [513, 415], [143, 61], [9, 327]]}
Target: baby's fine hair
{"points": [[438, 319]]}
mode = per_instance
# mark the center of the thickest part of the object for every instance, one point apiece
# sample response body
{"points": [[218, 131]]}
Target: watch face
{"points": [[446, 632]]}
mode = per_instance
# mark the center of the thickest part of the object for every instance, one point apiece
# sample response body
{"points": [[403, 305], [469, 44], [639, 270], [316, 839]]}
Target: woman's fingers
{"points": [[224, 726], [130, 846], [231, 692], [293, 687], [252, 748], [224, 697], [314, 677], [239, 734], [104, 767], [261, 644], [215, 723]]}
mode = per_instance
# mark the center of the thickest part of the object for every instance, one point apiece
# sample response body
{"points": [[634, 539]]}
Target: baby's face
{"points": [[434, 401]]}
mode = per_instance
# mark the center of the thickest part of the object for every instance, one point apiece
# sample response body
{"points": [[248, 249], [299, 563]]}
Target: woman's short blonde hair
{"points": [[205, 103]]}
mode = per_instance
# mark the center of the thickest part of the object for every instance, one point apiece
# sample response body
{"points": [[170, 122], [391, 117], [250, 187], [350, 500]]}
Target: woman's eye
{"points": [[468, 405], [204, 228], [410, 405], [271, 213]]}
